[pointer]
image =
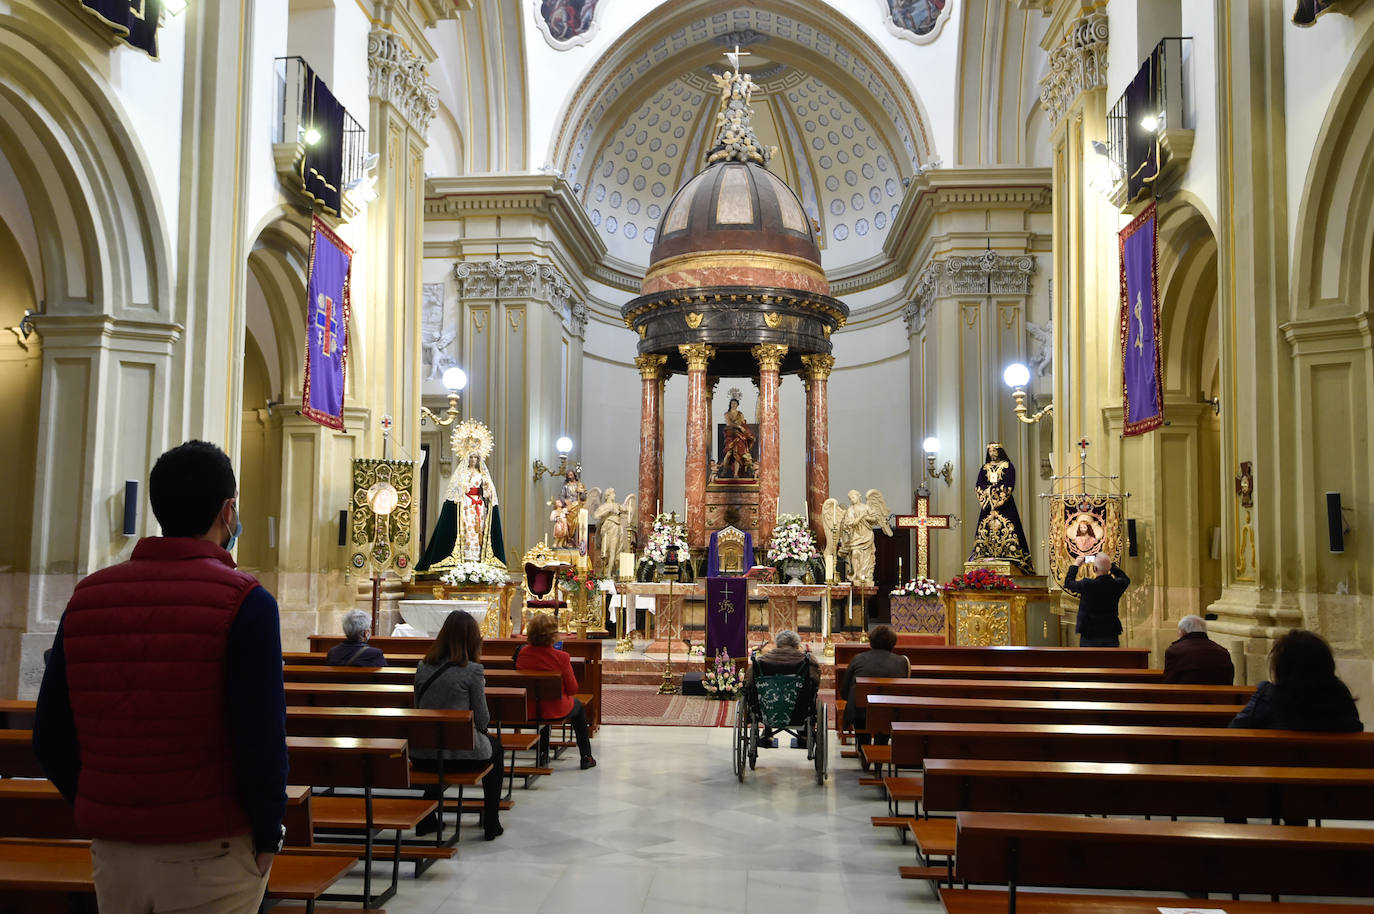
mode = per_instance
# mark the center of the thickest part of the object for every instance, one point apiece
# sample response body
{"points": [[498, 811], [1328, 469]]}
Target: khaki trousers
{"points": [[204, 877]]}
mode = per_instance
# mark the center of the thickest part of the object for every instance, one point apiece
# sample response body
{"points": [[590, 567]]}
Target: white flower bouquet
{"points": [[792, 541], [917, 587], [468, 573], [666, 532]]}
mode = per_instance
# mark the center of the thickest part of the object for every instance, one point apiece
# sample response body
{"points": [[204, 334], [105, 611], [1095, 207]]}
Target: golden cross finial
{"points": [[734, 56]]}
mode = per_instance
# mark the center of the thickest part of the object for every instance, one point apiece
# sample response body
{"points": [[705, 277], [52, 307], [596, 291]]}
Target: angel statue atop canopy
{"points": [[999, 534], [469, 527], [849, 532]]}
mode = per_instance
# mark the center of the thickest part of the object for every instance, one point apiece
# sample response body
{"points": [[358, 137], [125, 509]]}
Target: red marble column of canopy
{"points": [[770, 356], [816, 370], [650, 440], [697, 355]]}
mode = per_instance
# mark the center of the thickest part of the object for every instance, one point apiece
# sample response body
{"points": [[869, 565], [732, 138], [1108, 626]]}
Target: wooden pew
{"points": [[17, 714], [1077, 852], [1128, 789], [400, 675], [914, 742], [1052, 690], [883, 710], [945, 655], [544, 685], [16, 755], [984, 901]]}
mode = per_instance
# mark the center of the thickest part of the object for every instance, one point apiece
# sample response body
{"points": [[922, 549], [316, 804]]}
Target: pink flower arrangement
{"points": [[980, 579]]}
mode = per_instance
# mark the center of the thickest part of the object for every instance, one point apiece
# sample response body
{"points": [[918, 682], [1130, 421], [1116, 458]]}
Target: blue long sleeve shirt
{"points": [[257, 718]]}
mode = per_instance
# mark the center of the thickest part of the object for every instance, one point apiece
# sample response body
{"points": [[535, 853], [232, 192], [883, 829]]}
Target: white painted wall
{"points": [[1200, 181], [15, 213]]}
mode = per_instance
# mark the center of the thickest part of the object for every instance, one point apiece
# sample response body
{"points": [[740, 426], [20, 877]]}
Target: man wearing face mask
{"points": [[162, 715]]}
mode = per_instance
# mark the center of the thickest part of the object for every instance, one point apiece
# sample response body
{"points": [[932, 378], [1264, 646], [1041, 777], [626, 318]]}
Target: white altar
{"points": [[428, 615]]}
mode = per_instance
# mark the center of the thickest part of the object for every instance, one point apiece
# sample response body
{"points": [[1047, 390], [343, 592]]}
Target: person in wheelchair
{"points": [[784, 657]]}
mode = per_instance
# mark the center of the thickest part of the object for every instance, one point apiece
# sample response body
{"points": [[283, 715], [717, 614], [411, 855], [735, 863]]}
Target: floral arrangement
{"points": [[792, 541], [724, 680], [980, 579], [474, 573], [666, 532], [917, 587], [572, 579]]}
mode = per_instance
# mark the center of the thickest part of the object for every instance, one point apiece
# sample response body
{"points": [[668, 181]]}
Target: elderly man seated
{"points": [[783, 658], [1197, 659], [355, 651]]}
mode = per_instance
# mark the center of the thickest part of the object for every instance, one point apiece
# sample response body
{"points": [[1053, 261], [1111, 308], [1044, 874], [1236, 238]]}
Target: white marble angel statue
{"points": [[613, 520], [849, 532]]}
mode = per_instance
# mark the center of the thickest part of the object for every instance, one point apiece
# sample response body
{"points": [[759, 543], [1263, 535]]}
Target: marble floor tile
{"points": [[662, 825]]}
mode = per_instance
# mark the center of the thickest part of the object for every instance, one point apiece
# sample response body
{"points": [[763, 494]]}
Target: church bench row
{"points": [[499, 650], [915, 742], [1018, 674], [1077, 852], [988, 901], [1131, 789], [403, 675], [1137, 658], [1052, 690], [884, 710]]}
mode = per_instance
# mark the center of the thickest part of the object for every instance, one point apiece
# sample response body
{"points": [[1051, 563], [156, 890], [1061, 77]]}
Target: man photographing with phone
{"points": [[1099, 624]]}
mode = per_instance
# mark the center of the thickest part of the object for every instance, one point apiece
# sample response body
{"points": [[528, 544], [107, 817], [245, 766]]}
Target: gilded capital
{"points": [[818, 366], [697, 355], [650, 366], [769, 355]]}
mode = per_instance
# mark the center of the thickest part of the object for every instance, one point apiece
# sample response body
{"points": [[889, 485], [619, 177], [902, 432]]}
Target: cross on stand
{"points": [[923, 522]]}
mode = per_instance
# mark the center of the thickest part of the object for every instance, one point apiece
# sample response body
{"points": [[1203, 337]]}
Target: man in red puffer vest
{"points": [[162, 715]]}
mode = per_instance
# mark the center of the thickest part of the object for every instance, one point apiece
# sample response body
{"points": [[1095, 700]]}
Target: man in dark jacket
{"points": [[1099, 625], [162, 715], [1196, 659]]}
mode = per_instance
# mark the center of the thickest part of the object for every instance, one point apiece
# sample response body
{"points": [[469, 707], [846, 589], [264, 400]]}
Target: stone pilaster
{"points": [[769, 356]]}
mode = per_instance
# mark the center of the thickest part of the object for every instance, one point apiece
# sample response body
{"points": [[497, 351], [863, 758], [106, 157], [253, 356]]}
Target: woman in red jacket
{"points": [[539, 654]]}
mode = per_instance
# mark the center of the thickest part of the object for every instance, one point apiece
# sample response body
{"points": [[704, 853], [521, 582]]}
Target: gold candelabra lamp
{"points": [[932, 447], [564, 447], [455, 379], [1017, 376]]}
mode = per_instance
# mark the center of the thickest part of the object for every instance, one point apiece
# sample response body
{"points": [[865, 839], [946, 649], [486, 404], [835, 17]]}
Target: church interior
{"points": [[890, 311]]}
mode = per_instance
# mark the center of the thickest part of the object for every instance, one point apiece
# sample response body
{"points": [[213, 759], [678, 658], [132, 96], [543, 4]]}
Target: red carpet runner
{"points": [[642, 705]]}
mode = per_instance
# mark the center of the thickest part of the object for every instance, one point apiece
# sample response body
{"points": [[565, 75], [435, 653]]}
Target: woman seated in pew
{"points": [[449, 676], [538, 653], [876, 662], [1305, 693], [355, 651]]}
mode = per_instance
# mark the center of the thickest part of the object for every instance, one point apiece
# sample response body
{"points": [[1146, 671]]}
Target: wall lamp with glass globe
{"points": [[564, 447], [1017, 376], [932, 447], [455, 379]]}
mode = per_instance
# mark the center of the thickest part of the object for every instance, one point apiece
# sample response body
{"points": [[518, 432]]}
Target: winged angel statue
{"points": [[849, 532], [614, 522]]}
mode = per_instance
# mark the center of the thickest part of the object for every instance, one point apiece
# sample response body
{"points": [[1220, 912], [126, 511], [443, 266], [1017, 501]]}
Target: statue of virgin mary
{"points": [[999, 534], [469, 527]]}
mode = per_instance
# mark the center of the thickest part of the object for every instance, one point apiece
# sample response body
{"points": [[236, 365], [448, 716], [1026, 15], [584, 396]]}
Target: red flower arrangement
{"points": [[980, 579], [573, 579]]}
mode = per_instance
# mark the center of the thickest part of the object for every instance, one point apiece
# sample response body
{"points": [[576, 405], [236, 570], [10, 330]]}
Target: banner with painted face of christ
{"points": [[327, 308]]}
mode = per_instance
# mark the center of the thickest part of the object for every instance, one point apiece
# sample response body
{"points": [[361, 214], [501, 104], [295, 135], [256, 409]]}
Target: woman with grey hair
{"points": [[786, 654], [355, 651]]}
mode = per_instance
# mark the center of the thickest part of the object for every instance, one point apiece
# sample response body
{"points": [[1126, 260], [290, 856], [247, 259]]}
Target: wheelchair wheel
{"points": [[821, 748], [740, 745]]}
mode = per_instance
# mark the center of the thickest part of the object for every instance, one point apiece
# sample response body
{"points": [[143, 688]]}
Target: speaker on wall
{"points": [[1132, 549], [130, 507], [343, 527], [1335, 525]]}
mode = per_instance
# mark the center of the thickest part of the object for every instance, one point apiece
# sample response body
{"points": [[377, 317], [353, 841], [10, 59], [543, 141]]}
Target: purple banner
{"points": [[1141, 360], [727, 609], [326, 326]]}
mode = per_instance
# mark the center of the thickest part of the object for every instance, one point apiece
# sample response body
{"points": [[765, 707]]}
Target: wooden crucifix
{"points": [[923, 522]]}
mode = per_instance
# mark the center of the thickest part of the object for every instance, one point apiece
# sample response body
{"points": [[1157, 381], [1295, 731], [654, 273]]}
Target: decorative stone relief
{"points": [[433, 337], [1078, 65], [396, 75], [1042, 351], [528, 279], [990, 273], [917, 310]]}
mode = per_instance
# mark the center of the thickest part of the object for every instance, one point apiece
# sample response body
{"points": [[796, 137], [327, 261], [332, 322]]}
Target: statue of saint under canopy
{"points": [[999, 534], [737, 453], [469, 527]]}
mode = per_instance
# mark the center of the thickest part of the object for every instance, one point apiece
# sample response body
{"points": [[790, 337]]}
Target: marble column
{"points": [[711, 382], [816, 372], [770, 356], [694, 485], [650, 440]]}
